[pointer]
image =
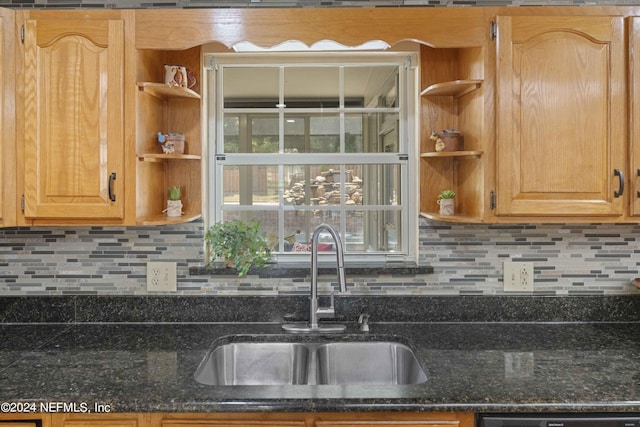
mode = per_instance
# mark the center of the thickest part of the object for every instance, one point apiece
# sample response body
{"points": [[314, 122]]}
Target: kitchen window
{"points": [[299, 140]]}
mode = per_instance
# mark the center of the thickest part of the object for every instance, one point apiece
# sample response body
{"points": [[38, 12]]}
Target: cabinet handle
{"points": [[112, 178], [638, 192], [620, 175]]}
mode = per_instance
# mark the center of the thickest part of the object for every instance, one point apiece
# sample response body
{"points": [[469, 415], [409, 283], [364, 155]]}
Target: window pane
{"points": [[324, 134], [311, 87], [380, 184], [264, 135], [251, 185], [300, 225], [268, 223], [321, 185], [374, 85], [231, 134], [354, 133], [251, 87], [366, 231], [374, 231], [295, 130], [371, 133]]}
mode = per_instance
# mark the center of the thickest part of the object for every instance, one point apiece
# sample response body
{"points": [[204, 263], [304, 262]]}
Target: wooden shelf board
{"points": [[451, 218], [456, 88], [163, 90], [153, 157], [162, 219], [436, 154]]}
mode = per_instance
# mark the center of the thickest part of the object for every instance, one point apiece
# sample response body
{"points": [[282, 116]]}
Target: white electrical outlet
{"points": [[518, 276], [161, 276]]}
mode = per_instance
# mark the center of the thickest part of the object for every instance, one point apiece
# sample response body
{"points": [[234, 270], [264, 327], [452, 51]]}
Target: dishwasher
{"points": [[559, 420]]}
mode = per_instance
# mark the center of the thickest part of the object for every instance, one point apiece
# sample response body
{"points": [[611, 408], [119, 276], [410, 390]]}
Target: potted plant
{"points": [[174, 204], [446, 202], [241, 244]]}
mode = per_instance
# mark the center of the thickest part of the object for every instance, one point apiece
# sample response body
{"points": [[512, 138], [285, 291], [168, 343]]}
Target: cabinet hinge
{"points": [[22, 203], [493, 200], [22, 34], [493, 30]]}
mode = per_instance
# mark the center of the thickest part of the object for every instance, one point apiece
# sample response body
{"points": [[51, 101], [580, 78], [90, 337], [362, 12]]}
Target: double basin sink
{"points": [[273, 362]]}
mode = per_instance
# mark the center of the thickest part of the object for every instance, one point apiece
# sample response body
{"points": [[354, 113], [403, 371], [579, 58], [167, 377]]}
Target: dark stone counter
{"points": [[470, 367], [480, 354]]}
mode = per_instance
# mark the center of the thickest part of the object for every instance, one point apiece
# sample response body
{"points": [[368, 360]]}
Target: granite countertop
{"points": [[471, 367]]}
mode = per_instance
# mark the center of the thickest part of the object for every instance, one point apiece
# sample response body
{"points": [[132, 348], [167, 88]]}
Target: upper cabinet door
{"points": [[634, 102], [74, 142], [7, 120], [560, 115]]}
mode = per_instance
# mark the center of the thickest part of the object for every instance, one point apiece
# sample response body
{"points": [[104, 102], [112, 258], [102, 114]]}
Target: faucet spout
{"points": [[316, 312]]}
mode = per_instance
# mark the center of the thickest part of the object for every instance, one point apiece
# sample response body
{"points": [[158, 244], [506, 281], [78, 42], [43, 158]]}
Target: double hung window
{"points": [[300, 140]]}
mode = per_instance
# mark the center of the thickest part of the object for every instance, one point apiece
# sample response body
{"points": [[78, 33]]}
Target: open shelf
{"points": [[162, 219], [436, 154], [163, 90], [153, 157], [455, 88], [450, 218]]}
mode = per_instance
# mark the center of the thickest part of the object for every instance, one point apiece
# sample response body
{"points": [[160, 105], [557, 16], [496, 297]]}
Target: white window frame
{"points": [[408, 139]]}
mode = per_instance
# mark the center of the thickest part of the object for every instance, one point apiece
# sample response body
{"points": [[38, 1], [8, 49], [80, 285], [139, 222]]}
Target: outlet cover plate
{"points": [[518, 276], [161, 276]]}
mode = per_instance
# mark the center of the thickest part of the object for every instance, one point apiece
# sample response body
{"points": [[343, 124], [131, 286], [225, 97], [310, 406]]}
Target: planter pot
{"points": [[174, 208], [446, 206]]}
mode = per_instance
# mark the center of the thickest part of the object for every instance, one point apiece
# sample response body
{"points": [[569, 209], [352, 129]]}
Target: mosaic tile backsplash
{"points": [[592, 259], [134, 4]]}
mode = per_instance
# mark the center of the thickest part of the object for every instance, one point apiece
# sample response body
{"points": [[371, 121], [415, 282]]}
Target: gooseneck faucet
{"points": [[315, 311]]}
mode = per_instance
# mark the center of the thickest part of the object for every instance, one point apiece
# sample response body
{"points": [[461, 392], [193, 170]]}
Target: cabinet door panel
{"points": [[634, 93], [74, 141], [98, 420], [398, 423], [7, 120], [233, 423], [561, 115]]}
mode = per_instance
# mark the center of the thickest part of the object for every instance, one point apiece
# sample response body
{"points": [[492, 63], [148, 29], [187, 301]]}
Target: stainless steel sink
{"points": [[370, 363], [310, 363], [255, 363]]}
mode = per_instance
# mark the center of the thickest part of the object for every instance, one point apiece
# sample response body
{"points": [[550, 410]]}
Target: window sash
{"points": [[284, 159]]}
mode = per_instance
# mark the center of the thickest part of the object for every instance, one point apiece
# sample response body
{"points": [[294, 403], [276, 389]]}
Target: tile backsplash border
{"points": [[569, 260]]}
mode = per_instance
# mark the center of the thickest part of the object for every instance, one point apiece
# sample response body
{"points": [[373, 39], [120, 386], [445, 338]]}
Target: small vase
{"points": [[446, 206], [174, 208]]}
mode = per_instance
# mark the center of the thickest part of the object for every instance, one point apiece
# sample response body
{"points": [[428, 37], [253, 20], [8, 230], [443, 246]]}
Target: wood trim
{"points": [[439, 27]]}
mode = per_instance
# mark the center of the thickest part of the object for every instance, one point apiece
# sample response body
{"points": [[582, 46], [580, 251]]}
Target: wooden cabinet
{"points": [[163, 108], [561, 116], [99, 420], [7, 119], [453, 98], [634, 131], [74, 118], [25, 420], [319, 419]]}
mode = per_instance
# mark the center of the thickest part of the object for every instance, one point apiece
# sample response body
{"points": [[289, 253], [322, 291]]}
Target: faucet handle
{"points": [[363, 322], [326, 312]]}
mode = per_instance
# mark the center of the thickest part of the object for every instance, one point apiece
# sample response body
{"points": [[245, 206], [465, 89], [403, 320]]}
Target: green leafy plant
{"points": [[446, 194], [174, 193], [241, 245]]}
